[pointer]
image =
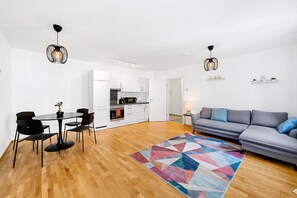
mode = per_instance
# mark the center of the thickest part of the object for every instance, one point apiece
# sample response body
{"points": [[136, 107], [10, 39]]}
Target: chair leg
{"points": [[16, 150], [33, 145], [83, 146], [37, 146], [49, 132], [94, 133], [15, 136], [89, 130], [41, 153], [66, 136]]}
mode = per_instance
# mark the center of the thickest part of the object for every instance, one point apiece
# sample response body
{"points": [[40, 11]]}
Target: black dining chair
{"points": [[87, 123], [28, 115], [77, 122], [34, 131]]}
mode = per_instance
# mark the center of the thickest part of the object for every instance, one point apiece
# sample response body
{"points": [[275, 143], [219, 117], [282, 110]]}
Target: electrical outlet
{"points": [[295, 191]]}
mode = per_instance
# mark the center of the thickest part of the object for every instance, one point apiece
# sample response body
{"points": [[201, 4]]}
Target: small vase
{"points": [[60, 114]]}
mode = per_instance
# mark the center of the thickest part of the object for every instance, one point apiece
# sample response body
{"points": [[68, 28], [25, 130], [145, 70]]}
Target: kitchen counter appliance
{"points": [[128, 100]]}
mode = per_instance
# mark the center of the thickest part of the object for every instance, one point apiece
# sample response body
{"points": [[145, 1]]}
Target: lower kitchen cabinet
{"points": [[101, 118], [132, 114], [136, 112]]}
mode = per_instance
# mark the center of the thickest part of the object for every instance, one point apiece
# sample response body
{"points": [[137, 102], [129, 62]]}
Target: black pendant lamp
{"points": [[57, 53], [211, 63]]}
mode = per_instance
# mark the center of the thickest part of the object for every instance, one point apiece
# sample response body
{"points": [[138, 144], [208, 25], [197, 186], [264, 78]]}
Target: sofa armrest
{"points": [[293, 133], [195, 117]]}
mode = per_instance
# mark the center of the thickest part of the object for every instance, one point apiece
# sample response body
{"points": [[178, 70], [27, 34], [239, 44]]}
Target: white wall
{"points": [[236, 91], [38, 84], [6, 132], [175, 96]]}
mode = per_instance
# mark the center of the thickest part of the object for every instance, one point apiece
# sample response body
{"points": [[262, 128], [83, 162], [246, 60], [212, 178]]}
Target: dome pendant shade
{"points": [[211, 63], [57, 53]]}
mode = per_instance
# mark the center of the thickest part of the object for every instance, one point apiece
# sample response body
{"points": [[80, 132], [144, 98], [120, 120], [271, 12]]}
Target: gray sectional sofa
{"points": [[256, 131]]}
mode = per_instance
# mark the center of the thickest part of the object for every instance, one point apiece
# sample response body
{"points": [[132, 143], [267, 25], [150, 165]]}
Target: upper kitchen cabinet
{"points": [[129, 83], [99, 75]]}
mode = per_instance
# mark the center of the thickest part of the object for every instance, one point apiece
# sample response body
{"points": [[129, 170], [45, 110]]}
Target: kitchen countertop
{"points": [[115, 105]]}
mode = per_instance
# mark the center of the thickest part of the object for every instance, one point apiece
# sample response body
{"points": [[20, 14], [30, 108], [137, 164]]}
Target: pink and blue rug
{"points": [[196, 166]]}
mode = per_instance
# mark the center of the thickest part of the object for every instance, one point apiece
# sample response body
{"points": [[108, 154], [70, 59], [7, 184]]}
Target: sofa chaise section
{"points": [[263, 138], [269, 142]]}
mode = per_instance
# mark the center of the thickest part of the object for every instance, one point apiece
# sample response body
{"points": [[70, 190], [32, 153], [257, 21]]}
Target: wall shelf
{"points": [[264, 82], [216, 78]]}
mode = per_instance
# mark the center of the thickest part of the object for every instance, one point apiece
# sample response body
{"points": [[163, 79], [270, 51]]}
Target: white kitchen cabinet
{"points": [[101, 118], [129, 83], [115, 81], [139, 112], [101, 75], [143, 84], [146, 111], [136, 113], [129, 114]]}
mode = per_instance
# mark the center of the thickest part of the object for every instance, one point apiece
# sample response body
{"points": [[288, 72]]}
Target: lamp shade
{"points": [[211, 64], [57, 53]]}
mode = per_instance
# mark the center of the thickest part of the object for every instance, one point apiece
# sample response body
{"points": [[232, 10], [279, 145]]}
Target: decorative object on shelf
{"points": [[216, 78], [264, 80], [59, 112], [211, 63], [57, 53]]}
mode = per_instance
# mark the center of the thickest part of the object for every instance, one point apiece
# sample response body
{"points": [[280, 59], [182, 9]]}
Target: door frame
{"points": [[182, 95]]}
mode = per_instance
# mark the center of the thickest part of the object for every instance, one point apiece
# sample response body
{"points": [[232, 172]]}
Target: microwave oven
{"points": [[130, 99]]}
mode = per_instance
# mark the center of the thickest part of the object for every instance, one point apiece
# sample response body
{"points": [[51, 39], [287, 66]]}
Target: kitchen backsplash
{"points": [[141, 96]]}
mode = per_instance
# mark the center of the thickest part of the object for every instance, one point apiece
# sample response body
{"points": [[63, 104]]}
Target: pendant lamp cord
{"points": [[57, 38]]}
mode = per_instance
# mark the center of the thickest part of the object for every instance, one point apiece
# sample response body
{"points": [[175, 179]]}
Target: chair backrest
{"points": [[83, 111], [29, 127], [87, 119], [25, 115]]}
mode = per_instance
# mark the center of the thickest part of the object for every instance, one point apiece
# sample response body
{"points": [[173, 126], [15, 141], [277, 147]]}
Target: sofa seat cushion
{"points": [[227, 126], [269, 137]]}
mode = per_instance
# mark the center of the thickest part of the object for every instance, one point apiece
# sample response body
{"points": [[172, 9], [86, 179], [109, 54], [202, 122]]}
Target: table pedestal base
{"points": [[58, 147]]}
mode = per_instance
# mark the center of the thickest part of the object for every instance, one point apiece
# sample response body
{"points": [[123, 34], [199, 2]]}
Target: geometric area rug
{"points": [[196, 166]]}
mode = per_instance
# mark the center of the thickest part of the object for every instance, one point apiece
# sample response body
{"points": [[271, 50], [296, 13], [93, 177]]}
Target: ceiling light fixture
{"points": [[57, 53], [211, 63]]}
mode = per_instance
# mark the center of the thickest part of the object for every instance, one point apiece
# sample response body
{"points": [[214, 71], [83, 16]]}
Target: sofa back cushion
{"points": [[268, 119], [206, 113], [239, 116], [219, 115]]}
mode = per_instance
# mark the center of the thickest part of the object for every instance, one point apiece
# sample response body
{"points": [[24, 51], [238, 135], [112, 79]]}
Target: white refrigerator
{"points": [[101, 103]]}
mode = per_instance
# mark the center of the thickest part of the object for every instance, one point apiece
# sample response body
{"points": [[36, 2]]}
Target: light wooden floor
{"points": [[176, 118], [106, 170]]}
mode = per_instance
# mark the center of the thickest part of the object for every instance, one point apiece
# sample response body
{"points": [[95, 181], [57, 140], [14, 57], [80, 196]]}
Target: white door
{"points": [[157, 98]]}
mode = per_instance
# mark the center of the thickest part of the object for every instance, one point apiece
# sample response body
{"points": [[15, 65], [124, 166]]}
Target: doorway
{"points": [[175, 100]]}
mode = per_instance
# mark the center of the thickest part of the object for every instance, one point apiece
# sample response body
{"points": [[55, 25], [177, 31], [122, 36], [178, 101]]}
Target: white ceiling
{"points": [[156, 34]]}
